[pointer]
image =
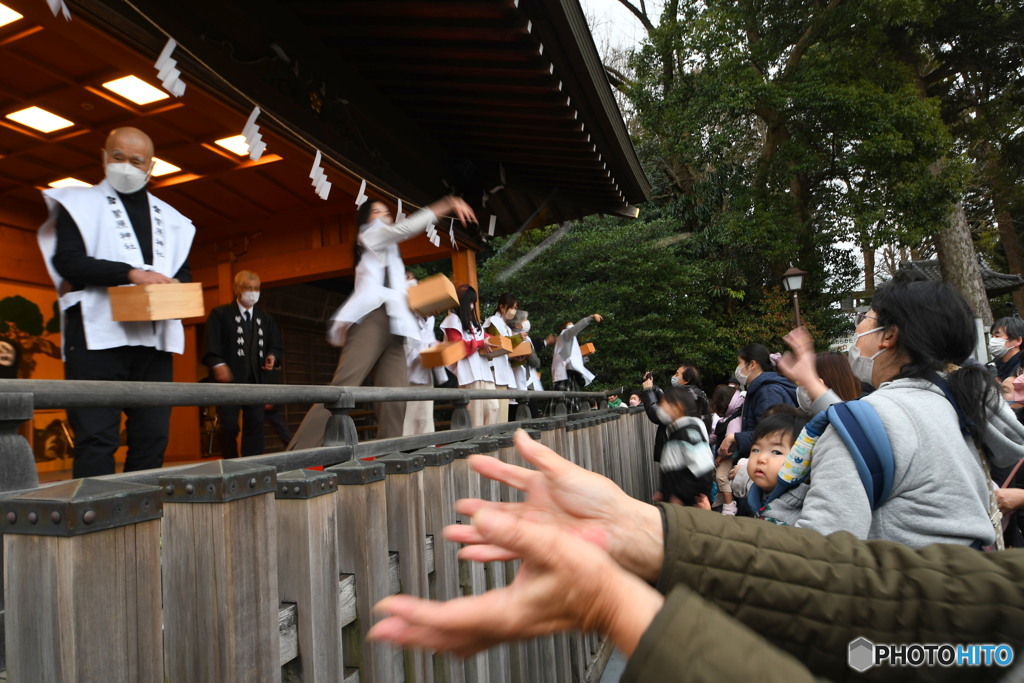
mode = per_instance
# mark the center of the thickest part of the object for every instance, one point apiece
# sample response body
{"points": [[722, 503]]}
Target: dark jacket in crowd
{"points": [[767, 390], [1009, 367]]}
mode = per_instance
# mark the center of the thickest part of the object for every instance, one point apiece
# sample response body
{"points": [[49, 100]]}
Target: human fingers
{"points": [[540, 456], [470, 506], [487, 553], [463, 211], [493, 468], [430, 625], [800, 340]]}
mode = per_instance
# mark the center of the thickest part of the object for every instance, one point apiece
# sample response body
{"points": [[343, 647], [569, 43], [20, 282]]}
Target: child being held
{"points": [[770, 499], [687, 465]]}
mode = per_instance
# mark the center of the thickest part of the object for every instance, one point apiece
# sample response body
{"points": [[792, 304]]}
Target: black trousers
{"points": [[98, 430], [252, 430]]}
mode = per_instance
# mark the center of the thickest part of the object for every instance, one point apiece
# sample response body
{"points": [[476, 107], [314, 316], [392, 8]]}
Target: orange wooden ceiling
{"points": [[60, 66], [453, 90]]}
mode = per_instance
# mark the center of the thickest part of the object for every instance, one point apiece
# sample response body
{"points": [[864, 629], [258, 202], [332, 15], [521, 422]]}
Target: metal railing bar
{"points": [[102, 394]]}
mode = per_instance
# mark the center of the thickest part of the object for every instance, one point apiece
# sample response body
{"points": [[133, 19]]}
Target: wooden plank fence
{"points": [[233, 571]]}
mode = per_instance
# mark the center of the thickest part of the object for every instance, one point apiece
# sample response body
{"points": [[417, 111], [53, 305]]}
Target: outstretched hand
{"points": [[461, 209], [800, 364], [564, 583], [570, 498]]}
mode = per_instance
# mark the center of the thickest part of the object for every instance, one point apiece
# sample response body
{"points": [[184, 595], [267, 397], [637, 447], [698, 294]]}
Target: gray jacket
{"points": [[940, 492]]}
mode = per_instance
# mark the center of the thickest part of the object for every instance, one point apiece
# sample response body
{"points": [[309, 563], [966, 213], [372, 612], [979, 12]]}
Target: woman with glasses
{"points": [[938, 407]]}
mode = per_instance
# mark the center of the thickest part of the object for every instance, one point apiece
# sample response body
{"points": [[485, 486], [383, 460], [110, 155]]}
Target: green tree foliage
{"points": [[654, 292]]}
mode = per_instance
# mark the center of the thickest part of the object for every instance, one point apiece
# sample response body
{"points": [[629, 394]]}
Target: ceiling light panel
{"points": [[40, 119], [235, 144], [70, 182], [7, 15], [161, 167], [135, 90]]}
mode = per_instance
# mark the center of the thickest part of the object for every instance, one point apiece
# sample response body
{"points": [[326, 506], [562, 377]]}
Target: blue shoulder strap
{"points": [[864, 434]]}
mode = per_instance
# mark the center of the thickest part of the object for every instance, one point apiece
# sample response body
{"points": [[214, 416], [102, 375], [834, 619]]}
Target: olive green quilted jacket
{"points": [[749, 601]]}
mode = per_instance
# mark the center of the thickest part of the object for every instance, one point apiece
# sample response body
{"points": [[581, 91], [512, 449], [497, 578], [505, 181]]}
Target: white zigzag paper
{"points": [[59, 6], [253, 137], [491, 226], [399, 215], [167, 70], [320, 182], [361, 195]]}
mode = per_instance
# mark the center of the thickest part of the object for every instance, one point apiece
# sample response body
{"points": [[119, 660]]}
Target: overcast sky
{"points": [[613, 24]]}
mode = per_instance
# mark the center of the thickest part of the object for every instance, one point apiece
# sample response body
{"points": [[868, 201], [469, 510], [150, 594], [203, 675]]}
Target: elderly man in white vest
{"points": [[115, 233]]}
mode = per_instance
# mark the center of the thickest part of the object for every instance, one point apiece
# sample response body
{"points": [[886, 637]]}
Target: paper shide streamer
{"points": [[167, 70], [320, 182], [59, 7], [253, 137]]}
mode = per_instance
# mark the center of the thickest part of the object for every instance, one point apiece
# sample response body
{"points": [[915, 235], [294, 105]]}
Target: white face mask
{"points": [[249, 299], [863, 366], [125, 178], [740, 376], [803, 400], [997, 347], [663, 416], [525, 327]]}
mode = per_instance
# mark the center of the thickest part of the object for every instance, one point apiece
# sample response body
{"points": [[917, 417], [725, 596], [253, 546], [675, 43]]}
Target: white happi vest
{"points": [[417, 373], [500, 365], [474, 367], [574, 362], [370, 293], [108, 234]]}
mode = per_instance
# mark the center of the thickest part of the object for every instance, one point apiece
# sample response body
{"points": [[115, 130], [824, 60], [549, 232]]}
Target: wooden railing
{"points": [[260, 569]]}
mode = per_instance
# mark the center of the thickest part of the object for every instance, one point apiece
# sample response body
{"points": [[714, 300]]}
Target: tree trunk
{"points": [[869, 267], [1010, 240], [1008, 236], [958, 263]]}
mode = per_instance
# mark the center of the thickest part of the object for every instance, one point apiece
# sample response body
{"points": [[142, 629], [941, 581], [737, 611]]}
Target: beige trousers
{"points": [[482, 411], [371, 348]]}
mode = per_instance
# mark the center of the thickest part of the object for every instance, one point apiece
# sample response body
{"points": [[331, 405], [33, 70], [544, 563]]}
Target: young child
{"points": [[687, 466], [773, 439]]}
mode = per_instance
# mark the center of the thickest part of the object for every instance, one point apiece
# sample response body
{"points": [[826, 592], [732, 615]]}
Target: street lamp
{"points": [[793, 281]]}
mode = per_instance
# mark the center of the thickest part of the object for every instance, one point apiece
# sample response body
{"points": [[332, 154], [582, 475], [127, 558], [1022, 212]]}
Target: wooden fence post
{"points": [[219, 560], [407, 535], [471, 574], [439, 504], [494, 572], [363, 552], [307, 563], [82, 583]]}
